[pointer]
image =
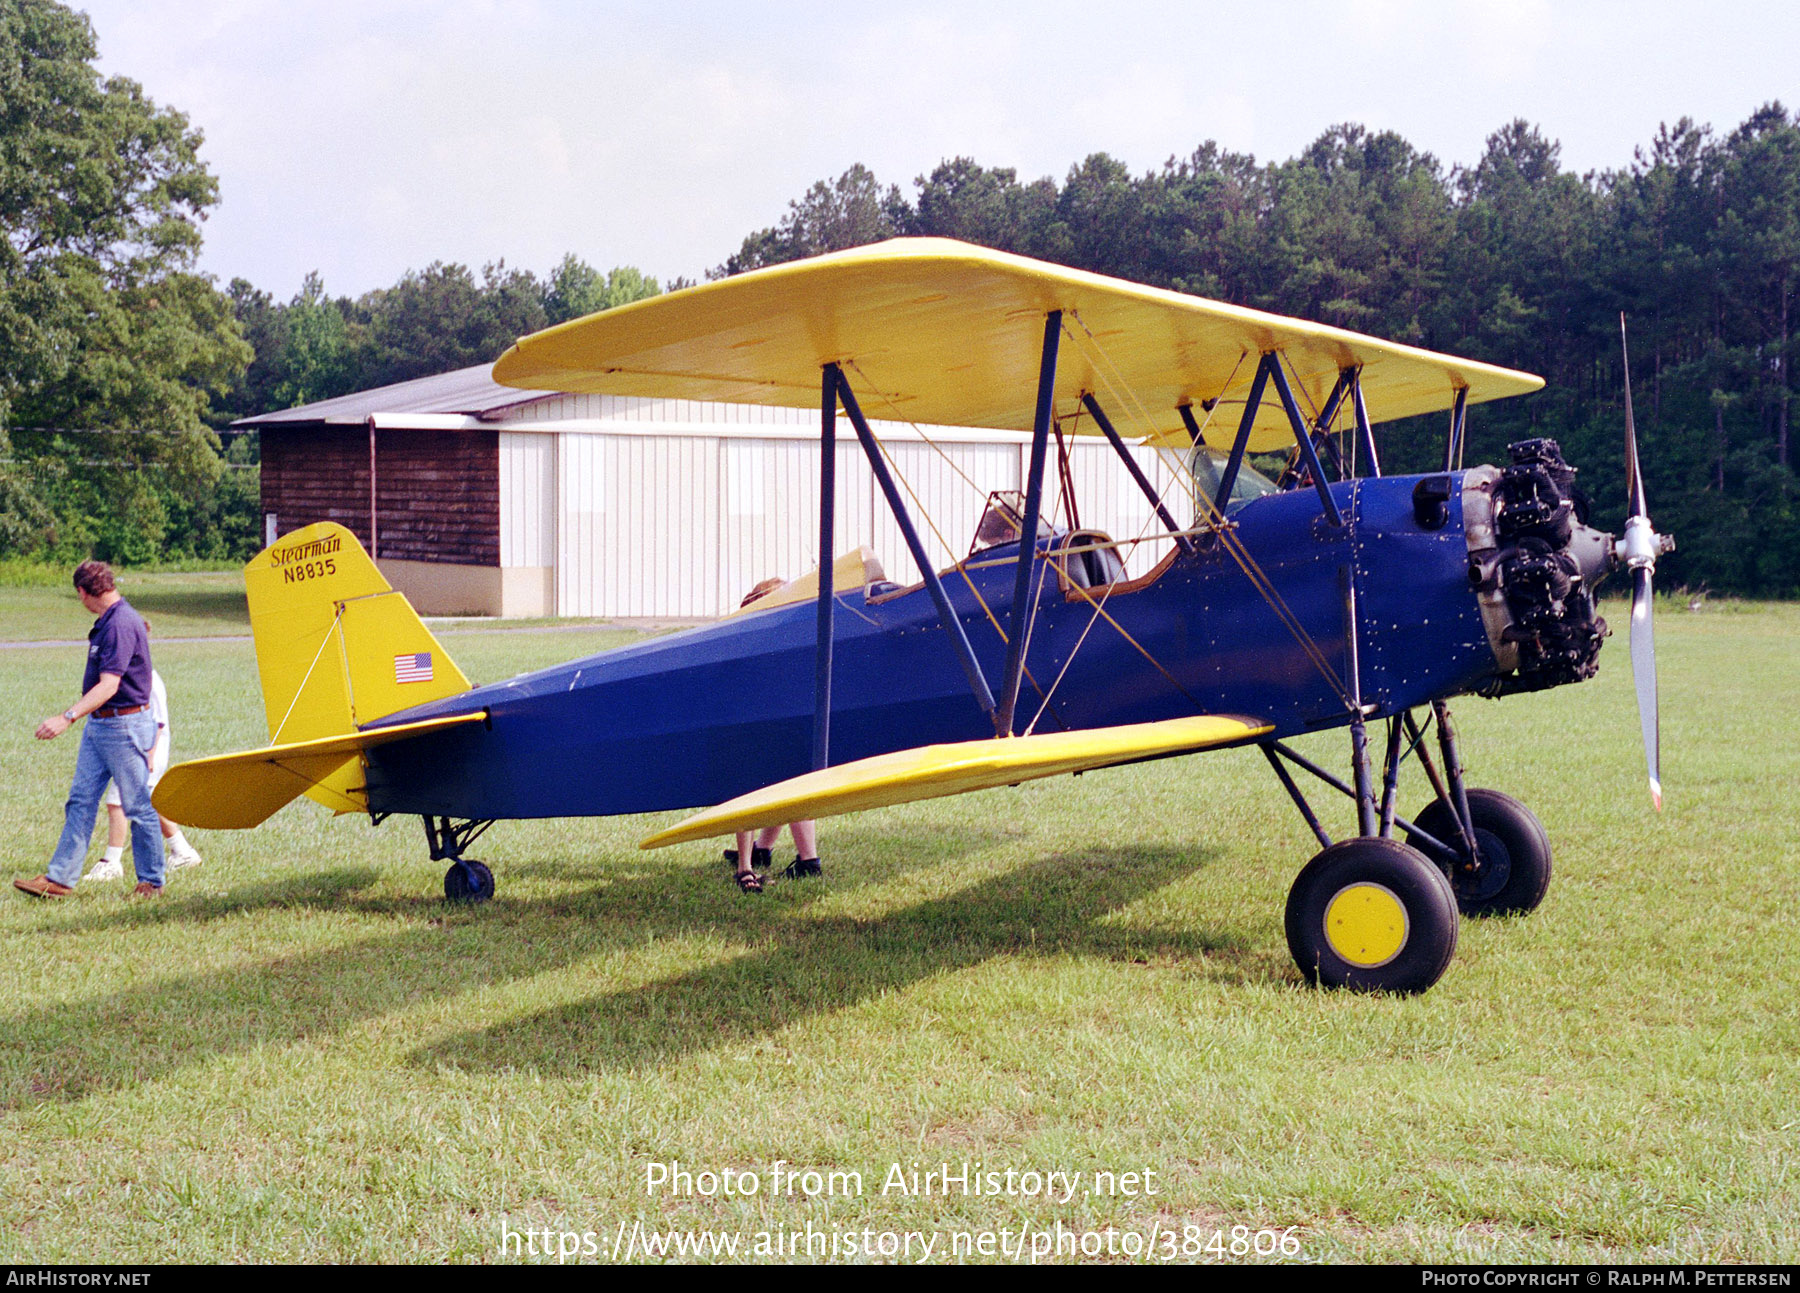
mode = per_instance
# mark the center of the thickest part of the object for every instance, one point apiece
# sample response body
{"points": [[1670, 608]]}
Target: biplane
{"points": [[1333, 596]]}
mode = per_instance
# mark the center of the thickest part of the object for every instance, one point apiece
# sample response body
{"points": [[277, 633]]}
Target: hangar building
{"points": [[481, 499]]}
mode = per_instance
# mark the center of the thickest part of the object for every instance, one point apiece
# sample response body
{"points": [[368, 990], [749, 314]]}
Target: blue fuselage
{"points": [[699, 717]]}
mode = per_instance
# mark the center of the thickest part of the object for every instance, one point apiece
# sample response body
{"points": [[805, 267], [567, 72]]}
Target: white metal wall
{"points": [[630, 409], [640, 528], [651, 520], [528, 507], [770, 490]]}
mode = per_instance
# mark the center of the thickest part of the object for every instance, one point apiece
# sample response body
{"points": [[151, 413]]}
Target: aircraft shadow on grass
{"points": [[339, 889], [810, 966], [801, 966]]}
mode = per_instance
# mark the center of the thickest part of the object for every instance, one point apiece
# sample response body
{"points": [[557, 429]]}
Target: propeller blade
{"points": [[1634, 479], [1643, 673]]}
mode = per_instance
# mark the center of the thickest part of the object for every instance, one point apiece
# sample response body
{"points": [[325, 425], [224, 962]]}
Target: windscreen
{"points": [[1208, 465]]}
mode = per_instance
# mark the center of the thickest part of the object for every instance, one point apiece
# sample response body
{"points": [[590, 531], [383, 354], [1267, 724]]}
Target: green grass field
{"points": [[300, 1054], [38, 603], [206, 603]]}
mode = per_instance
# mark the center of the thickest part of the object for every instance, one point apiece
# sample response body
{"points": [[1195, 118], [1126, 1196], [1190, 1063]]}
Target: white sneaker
{"points": [[178, 858], [104, 870]]}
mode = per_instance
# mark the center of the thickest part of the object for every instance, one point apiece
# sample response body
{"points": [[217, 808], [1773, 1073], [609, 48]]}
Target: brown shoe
{"points": [[146, 890], [42, 886]]}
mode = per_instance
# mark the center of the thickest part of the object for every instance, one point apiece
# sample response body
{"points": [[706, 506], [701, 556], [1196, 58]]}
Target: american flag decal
{"points": [[413, 667]]}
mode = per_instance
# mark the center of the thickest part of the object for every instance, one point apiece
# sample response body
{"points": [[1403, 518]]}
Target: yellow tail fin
{"points": [[337, 647]]}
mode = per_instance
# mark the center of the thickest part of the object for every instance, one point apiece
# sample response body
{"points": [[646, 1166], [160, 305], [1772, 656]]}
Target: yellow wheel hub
{"points": [[1366, 924]]}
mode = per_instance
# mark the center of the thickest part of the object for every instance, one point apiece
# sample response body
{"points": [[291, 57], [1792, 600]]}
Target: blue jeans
{"points": [[117, 750]]}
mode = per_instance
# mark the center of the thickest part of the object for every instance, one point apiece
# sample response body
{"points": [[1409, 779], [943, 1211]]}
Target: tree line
{"points": [[434, 320], [1513, 259], [112, 479], [121, 363], [106, 325]]}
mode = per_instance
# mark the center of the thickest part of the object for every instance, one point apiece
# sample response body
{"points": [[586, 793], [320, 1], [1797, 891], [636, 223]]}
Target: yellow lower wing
{"points": [[238, 791], [933, 770]]}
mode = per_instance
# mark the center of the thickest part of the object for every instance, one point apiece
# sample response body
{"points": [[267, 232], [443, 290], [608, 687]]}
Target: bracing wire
{"points": [[1176, 474], [337, 629], [1100, 610], [1208, 508], [919, 506], [1259, 579], [1245, 560], [917, 429]]}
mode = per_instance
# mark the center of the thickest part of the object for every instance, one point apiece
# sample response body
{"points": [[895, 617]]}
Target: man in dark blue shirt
{"points": [[115, 745]]}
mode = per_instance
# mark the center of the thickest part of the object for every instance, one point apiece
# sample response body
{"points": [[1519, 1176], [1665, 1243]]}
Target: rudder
{"points": [[336, 646]]}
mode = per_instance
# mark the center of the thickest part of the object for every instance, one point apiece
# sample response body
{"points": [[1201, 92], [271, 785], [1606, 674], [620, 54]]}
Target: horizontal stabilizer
{"points": [[238, 791], [933, 770]]}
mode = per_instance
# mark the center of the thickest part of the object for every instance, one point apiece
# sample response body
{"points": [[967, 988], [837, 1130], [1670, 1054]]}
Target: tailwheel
{"points": [[1372, 915], [468, 881], [1511, 870]]}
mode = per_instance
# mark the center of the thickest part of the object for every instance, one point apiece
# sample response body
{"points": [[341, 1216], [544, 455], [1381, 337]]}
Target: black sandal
{"points": [[800, 868], [748, 881]]}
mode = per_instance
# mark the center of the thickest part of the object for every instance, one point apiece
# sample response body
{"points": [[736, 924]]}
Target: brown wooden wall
{"points": [[437, 492]]}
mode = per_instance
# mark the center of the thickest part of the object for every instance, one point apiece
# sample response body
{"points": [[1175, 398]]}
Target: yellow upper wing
{"points": [[942, 331], [931, 771]]}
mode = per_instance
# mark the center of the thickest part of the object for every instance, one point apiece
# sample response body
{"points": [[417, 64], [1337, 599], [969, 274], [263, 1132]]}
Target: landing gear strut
{"points": [[1372, 913], [1359, 916], [1510, 871], [467, 880]]}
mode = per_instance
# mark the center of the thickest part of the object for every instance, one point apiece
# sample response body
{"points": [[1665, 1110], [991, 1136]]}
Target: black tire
{"points": [[1372, 915], [468, 881], [1513, 872]]}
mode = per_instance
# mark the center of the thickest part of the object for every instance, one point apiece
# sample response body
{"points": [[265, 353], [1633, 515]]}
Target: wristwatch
{"points": [[69, 715]]}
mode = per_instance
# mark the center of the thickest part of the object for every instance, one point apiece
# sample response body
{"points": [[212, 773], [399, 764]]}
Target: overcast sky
{"points": [[365, 137]]}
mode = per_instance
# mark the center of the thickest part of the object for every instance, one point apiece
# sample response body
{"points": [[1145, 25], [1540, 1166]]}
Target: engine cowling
{"points": [[1535, 563]]}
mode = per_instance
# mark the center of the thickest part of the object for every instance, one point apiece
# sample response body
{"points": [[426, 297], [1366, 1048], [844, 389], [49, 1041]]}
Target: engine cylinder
{"points": [[1534, 562]]}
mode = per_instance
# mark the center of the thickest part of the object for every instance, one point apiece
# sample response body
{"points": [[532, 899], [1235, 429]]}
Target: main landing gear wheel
{"points": [[1372, 915], [468, 881], [1511, 873]]}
